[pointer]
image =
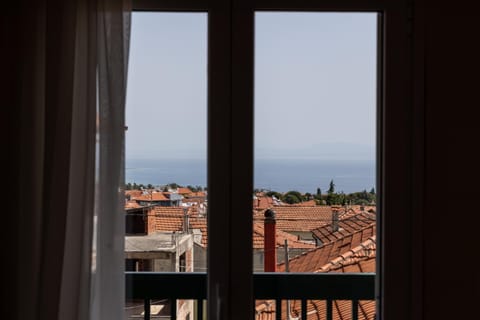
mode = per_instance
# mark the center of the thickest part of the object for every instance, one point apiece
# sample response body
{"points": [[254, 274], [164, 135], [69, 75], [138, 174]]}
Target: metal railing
{"points": [[273, 286]]}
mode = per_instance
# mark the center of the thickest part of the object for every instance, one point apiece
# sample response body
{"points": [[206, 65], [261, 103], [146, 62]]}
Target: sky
{"points": [[315, 83]]}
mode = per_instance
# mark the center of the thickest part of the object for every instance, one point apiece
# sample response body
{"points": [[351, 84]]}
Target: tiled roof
{"points": [[309, 203], [183, 191], [347, 224], [358, 259], [265, 310], [154, 196], [172, 219], [299, 219], [133, 193], [199, 194], [132, 204], [359, 208], [169, 218], [197, 222], [314, 260], [263, 202], [281, 236]]}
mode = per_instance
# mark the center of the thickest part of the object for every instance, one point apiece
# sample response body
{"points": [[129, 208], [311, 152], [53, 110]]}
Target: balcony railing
{"points": [[274, 286]]}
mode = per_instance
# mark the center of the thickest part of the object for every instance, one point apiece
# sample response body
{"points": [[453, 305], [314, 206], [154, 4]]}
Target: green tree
{"points": [[331, 188], [292, 196], [274, 194], [174, 185], [332, 197], [291, 199]]}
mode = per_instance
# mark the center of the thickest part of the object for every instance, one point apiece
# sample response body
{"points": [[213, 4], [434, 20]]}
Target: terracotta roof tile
{"points": [[359, 259], [299, 219], [133, 193], [201, 224], [348, 223], [183, 191], [309, 203], [168, 218], [132, 204], [263, 202], [198, 194], [281, 236], [154, 196], [314, 260]]}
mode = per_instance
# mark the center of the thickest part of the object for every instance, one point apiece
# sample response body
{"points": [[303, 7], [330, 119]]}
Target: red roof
{"points": [[154, 196], [348, 223], [360, 258], [314, 260], [168, 218], [281, 236], [132, 205], [299, 219], [309, 203], [263, 202], [183, 191]]}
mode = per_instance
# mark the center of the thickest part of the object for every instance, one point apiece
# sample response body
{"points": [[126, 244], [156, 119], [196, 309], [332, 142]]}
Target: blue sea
{"points": [[304, 175]]}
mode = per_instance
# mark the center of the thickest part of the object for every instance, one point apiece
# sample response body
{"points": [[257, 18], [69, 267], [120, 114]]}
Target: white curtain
{"points": [[108, 283], [62, 59]]}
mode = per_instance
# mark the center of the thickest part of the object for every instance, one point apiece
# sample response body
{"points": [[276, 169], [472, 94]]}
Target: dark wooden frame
{"points": [[230, 150]]}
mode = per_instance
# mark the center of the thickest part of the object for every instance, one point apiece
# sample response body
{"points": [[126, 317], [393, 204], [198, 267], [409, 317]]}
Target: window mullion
{"points": [[219, 159], [242, 159], [230, 161]]}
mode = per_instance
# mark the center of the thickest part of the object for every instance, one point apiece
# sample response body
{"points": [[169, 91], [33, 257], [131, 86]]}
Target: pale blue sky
{"points": [[314, 85]]}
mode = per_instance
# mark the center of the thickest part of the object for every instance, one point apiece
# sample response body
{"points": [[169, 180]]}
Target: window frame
{"points": [[230, 149]]}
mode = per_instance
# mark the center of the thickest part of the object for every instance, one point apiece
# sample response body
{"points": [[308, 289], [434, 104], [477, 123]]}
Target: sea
{"points": [[281, 175]]}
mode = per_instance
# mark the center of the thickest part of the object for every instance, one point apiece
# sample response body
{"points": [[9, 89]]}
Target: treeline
{"points": [[331, 197], [172, 185]]}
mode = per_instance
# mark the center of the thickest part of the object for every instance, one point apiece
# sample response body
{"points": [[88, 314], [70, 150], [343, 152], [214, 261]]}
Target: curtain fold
{"points": [[64, 59], [75, 281], [108, 292]]}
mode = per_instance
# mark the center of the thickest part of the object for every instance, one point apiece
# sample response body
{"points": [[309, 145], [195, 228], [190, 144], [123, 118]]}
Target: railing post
{"points": [[173, 309], [278, 309], [146, 307], [199, 309], [329, 309], [354, 309]]}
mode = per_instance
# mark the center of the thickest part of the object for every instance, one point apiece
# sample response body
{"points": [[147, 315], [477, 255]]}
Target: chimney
{"points": [[335, 220], [269, 247]]}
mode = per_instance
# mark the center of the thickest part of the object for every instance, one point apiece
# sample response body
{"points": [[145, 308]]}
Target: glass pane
{"points": [[166, 141], [315, 147]]}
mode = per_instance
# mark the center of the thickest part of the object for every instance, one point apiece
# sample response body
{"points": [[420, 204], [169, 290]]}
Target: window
{"points": [[315, 134], [230, 147]]}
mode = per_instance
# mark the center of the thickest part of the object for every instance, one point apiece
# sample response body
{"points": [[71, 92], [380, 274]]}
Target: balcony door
{"points": [[230, 150]]}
